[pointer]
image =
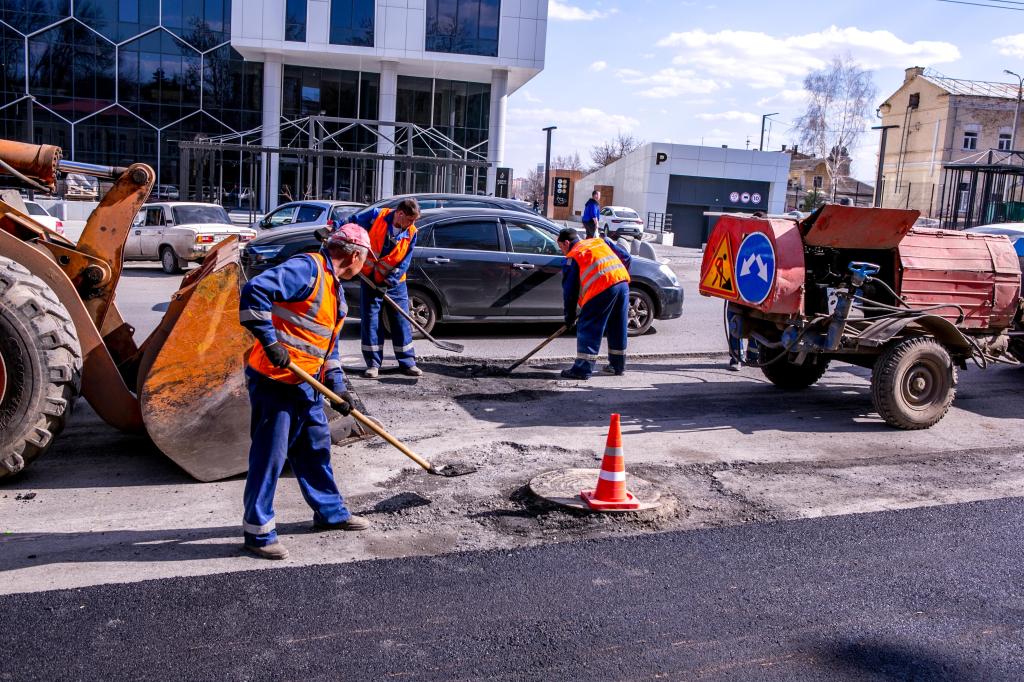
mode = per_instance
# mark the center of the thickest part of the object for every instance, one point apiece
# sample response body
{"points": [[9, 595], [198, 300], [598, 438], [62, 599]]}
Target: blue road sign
{"points": [[755, 268]]}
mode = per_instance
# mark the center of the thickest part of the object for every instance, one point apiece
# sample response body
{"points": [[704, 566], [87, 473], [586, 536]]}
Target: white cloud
{"points": [[578, 130], [1011, 46], [599, 66], [786, 97], [764, 61], [562, 11], [530, 97], [744, 116], [669, 82]]}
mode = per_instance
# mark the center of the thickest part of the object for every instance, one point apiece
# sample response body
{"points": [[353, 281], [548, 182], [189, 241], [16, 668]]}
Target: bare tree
{"points": [[534, 186], [614, 149], [569, 162], [840, 98]]}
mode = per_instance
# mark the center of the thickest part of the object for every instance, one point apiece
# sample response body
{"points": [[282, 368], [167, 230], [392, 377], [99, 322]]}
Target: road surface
{"points": [[926, 594]]}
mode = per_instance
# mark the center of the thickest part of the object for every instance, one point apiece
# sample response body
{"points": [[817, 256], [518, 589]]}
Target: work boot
{"points": [[413, 371], [274, 551], [608, 369], [569, 374], [353, 523], [735, 365], [371, 372]]}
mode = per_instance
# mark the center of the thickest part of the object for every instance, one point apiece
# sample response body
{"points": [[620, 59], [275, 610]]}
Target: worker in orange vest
{"points": [[392, 240], [296, 311], [595, 278]]}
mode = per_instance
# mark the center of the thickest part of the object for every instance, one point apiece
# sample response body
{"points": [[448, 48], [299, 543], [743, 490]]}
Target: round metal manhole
{"points": [[3, 378], [563, 487]]}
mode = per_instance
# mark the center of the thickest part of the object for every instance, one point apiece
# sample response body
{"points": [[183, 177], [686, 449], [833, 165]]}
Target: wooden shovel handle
{"points": [[359, 416]]}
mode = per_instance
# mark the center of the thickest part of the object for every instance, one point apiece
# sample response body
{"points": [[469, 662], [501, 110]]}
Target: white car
{"points": [[178, 232], [41, 216], [620, 221]]}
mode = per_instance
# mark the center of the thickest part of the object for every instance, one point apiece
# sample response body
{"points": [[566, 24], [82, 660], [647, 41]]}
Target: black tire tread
{"points": [[884, 376], [36, 306], [790, 377]]}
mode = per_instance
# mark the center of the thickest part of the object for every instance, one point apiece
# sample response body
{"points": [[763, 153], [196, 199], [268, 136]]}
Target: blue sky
{"points": [[704, 71]]}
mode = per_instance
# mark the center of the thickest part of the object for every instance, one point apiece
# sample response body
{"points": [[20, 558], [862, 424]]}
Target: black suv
{"points": [[490, 265]]}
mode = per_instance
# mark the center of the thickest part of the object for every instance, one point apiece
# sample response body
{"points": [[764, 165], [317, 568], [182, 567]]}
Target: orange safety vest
{"points": [[308, 329], [378, 271], [600, 268]]}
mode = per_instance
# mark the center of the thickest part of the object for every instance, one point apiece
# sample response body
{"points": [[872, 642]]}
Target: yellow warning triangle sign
{"points": [[720, 278]]}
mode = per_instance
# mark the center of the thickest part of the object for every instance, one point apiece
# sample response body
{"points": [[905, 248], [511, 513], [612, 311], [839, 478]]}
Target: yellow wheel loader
{"points": [[61, 334]]}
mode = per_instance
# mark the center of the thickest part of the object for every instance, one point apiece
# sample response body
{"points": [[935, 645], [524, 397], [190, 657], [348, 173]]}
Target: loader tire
{"points": [[913, 383], [792, 377], [40, 367]]}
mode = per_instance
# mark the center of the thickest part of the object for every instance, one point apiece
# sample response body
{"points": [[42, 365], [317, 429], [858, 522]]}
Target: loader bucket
{"points": [[191, 377]]}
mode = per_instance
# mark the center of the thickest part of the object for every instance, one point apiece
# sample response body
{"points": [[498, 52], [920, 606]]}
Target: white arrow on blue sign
{"points": [[755, 268]]}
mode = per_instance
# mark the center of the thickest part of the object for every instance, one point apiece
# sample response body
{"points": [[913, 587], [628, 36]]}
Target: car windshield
{"points": [[35, 209], [191, 215], [626, 213]]}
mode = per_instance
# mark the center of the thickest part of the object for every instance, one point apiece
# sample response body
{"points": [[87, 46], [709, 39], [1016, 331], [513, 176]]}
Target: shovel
{"points": [[448, 470], [561, 330]]}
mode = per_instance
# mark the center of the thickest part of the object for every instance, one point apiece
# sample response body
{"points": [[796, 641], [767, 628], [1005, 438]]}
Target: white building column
{"points": [[496, 134], [386, 112], [272, 86]]}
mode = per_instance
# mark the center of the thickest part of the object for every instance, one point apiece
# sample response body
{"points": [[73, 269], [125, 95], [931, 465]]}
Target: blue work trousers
{"points": [[287, 424], [605, 314], [370, 303]]}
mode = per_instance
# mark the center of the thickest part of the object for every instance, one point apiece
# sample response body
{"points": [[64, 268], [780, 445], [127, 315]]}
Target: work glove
{"points": [[278, 355], [343, 408], [570, 321]]}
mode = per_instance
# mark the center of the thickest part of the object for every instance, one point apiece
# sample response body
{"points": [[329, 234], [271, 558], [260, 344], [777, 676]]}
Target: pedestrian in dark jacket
{"points": [[591, 212]]}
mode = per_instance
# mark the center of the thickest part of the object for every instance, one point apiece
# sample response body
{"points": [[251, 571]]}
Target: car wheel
{"points": [[422, 309], [169, 261], [641, 312]]}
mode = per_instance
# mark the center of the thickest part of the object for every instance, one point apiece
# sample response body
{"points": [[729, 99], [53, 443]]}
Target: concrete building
{"points": [[940, 121], [685, 181], [288, 98]]}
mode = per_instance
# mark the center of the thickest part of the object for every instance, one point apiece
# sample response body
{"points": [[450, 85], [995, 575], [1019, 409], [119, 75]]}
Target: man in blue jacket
{"points": [[591, 214]]}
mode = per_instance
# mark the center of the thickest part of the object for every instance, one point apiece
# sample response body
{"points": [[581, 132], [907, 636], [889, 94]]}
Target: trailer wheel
{"points": [[42, 367], [792, 377], [913, 383]]}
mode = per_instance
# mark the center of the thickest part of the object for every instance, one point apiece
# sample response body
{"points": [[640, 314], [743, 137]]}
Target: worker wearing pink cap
{"points": [[296, 311]]}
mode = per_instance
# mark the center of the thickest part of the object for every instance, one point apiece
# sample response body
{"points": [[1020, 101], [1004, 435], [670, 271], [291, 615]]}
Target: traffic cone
{"points": [[611, 493]]}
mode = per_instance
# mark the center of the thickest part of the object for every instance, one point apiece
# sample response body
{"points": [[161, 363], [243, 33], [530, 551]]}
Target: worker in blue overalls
{"points": [[392, 240], [595, 279], [296, 311]]}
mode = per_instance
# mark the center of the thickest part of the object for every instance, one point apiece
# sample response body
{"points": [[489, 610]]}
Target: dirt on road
{"points": [[726, 448]]}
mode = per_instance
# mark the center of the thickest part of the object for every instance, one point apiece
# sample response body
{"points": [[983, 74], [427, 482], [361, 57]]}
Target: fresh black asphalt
{"points": [[925, 594]]}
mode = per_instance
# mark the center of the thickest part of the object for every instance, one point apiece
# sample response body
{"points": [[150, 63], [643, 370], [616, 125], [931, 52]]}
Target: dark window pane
{"points": [[295, 21], [116, 138], [463, 26], [159, 77], [31, 15], [232, 89], [204, 24], [308, 214], [527, 238], [352, 22], [309, 91], [472, 235], [71, 70], [203, 170], [118, 20], [12, 68], [413, 104]]}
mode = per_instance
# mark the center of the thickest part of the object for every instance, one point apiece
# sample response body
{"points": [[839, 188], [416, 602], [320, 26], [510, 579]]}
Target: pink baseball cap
{"points": [[350, 233]]}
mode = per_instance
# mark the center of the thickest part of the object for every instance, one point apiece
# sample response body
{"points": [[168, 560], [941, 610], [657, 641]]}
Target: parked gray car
{"points": [[305, 215]]}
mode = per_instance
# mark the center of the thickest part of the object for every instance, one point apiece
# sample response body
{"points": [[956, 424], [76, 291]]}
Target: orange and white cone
{"points": [[611, 493]]}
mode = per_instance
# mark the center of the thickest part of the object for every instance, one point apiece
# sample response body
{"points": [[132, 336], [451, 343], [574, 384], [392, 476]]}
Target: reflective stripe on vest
{"points": [[379, 270], [308, 328], [600, 268]]}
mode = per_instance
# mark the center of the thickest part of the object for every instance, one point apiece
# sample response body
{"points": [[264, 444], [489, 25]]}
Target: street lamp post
{"points": [[764, 119], [877, 201], [547, 169], [1016, 109]]}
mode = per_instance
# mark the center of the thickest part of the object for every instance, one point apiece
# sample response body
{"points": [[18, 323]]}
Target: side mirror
{"points": [[322, 234]]}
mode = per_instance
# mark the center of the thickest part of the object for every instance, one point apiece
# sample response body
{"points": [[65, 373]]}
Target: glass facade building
{"points": [[115, 82], [122, 81]]}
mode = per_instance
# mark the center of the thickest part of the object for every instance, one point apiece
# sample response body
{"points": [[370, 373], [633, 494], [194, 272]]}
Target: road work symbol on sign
{"points": [[720, 279], [755, 266]]}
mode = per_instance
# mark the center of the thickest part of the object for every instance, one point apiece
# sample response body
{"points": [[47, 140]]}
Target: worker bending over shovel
{"points": [[296, 311], [595, 278], [392, 239]]}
